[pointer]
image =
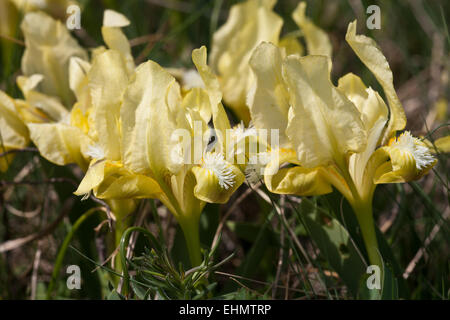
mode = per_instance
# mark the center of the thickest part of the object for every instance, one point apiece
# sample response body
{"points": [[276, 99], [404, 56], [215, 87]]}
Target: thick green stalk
{"points": [[361, 202], [364, 214], [122, 210], [190, 227]]}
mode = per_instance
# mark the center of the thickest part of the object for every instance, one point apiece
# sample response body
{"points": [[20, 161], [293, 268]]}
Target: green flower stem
{"points": [[361, 203], [190, 227], [120, 227], [122, 210], [63, 249], [364, 214]]}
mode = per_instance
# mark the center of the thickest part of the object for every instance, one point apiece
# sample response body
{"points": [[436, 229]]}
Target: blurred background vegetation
{"points": [[38, 209]]}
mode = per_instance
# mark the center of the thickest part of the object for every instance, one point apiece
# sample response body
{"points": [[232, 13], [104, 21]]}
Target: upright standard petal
{"points": [[248, 24], [268, 99], [370, 54], [108, 79], [324, 125], [317, 41], [219, 116], [114, 37], [145, 99], [165, 111], [49, 47], [79, 82]]}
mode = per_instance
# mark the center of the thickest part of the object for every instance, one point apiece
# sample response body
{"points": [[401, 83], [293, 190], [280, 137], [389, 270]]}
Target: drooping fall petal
{"points": [[216, 179], [295, 180], [60, 143], [50, 106], [409, 158]]}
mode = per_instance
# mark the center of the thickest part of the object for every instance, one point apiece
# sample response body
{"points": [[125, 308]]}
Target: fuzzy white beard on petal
{"points": [[413, 146], [96, 152], [216, 164]]}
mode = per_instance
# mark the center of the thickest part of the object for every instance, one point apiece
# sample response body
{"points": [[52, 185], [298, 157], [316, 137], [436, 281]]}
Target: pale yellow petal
{"points": [[441, 145], [369, 102], [50, 106], [269, 99], [291, 45], [197, 99], [208, 188], [317, 41], [409, 159], [93, 177], [116, 40], [27, 84], [147, 120], [324, 125], [79, 119], [59, 143], [212, 86], [79, 82], [219, 116], [113, 18], [294, 180], [370, 54], [108, 80], [128, 186], [354, 88], [28, 113], [49, 47], [298, 181], [13, 132], [249, 23]]}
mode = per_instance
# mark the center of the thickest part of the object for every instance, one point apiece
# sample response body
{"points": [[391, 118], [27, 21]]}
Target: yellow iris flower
{"points": [[59, 134], [88, 132], [250, 23], [45, 83], [140, 148], [342, 137]]}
